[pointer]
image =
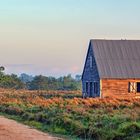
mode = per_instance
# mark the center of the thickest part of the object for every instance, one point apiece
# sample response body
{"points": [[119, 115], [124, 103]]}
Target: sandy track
{"points": [[11, 130]]}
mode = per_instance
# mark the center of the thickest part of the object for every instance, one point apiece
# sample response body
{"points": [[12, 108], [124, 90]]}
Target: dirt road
{"points": [[11, 130]]}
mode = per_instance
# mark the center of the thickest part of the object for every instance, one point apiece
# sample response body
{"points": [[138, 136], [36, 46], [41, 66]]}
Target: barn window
{"points": [[138, 87], [91, 62]]}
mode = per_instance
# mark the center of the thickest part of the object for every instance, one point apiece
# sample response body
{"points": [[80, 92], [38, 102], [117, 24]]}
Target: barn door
{"points": [[91, 89], [95, 85], [87, 88]]}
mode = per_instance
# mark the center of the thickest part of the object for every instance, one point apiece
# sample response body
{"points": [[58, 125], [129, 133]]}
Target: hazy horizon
{"points": [[50, 37]]}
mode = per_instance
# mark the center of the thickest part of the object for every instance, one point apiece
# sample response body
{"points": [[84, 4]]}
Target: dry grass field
{"points": [[66, 113]]}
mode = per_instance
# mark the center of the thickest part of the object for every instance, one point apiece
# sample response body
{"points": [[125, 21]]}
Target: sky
{"points": [[51, 37]]}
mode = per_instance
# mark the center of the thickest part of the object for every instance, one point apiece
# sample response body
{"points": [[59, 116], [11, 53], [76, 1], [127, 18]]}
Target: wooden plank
{"points": [[111, 87]]}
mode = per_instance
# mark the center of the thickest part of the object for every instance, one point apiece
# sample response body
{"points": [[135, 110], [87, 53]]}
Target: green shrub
{"points": [[41, 117], [28, 116], [130, 129], [13, 110]]}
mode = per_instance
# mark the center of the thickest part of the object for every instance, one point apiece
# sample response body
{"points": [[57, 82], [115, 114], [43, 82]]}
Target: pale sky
{"points": [[50, 37]]}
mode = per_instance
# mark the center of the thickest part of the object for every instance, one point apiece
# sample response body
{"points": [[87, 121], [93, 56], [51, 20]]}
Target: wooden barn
{"points": [[112, 67]]}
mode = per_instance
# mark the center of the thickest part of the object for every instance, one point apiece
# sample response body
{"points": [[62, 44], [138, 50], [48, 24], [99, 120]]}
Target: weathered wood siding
{"points": [[112, 87], [90, 74]]}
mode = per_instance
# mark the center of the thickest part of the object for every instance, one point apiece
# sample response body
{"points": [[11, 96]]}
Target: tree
{"points": [[26, 78], [39, 83], [10, 81], [1, 71], [2, 68], [78, 77]]}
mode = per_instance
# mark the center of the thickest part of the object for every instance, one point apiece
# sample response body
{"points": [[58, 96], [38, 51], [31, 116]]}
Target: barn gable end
{"points": [[90, 74]]}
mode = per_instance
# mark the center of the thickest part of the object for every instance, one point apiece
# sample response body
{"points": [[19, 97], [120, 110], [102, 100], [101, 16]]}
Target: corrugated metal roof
{"points": [[117, 58]]}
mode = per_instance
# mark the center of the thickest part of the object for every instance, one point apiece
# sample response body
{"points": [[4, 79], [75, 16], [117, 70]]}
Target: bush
{"points": [[28, 116], [41, 117], [13, 110], [130, 129]]}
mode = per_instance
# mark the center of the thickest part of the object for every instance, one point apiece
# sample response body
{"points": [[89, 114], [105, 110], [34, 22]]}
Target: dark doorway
{"points": [[138, 87], [87, 88], [91, 89], [95, 88]]}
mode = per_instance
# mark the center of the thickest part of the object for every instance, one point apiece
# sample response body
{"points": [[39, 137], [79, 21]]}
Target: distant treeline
{"points": [[39, 82]]}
